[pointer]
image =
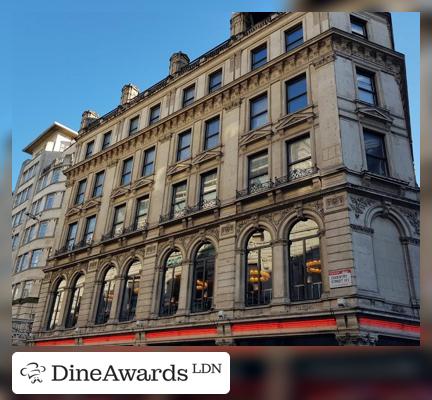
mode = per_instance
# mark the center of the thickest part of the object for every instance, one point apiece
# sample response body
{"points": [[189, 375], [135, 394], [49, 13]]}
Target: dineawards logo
{"points": [[33, 371], [121, 372]]}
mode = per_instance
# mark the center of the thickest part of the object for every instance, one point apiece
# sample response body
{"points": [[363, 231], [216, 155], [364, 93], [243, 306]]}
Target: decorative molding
{"points": [[413, 219], [207, 156], [323, 60], [359, 204], [253, 136], [227, 230], [120, 191], [178, 167], [144, 181], [294, 119], [410, 240], [362, 229], [333, 202]]}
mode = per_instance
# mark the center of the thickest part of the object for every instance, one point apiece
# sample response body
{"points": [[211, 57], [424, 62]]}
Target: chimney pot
{"points": [[177, 62], [129, 91], [87, 117]]}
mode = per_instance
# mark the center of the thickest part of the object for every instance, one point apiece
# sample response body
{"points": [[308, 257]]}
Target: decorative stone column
{"points": [[183, 303], [278, 274], [118, 283]]}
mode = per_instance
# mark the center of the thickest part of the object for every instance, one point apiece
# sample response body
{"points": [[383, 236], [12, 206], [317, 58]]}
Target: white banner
{"points": [[120, 373]]}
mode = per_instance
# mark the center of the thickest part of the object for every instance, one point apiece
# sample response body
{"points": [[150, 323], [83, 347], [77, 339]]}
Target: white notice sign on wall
{"points": [[340, 278]]}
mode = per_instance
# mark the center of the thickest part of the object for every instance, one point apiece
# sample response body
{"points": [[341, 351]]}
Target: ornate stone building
{"points": [[37, 205], [263, 193]]}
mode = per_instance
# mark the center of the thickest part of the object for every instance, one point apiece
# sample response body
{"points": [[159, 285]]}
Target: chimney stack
{"points": [[87, 117], [129, 91], [177, 62], [240, 22]]}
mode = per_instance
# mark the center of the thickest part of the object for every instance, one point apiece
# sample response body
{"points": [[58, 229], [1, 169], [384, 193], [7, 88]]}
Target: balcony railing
{"points": [[67, 248], [21, 330], [200, 206], [255, 188], [292, 176], [116, 233]]}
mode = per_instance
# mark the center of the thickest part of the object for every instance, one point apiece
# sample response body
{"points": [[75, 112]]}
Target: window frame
{"points": [[384, 159], [374, 92], [74, 305], [70, 241], [208, 269], [296, 43], [146, 163], [124, 174], [137, 216], [207, 137], [174, 189], [104, 306], [115, 223], [126, 304], [87, 232], [45, 224], [98, 186], [104, 144], [255, 64], [300, 77], [89, 149], [252, 116], [172, 309], [213, 88], [180, 149], [133, 130], [82, 185], [249, 159], [153, 120], [188, 89], [289, 162], [359, 22], [201, 187]]}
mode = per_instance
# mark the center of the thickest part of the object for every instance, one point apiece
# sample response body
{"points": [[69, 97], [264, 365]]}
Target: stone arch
{"points": [[167, 250], [292, 218], [195, 245], [392, 214], [245, 233], [127, 263]]}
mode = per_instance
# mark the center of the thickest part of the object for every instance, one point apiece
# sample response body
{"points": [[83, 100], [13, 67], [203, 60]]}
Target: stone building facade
{"points": [[37, 205], [263, 193]]}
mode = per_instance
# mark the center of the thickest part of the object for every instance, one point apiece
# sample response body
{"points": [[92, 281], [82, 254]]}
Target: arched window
{"points": [[56, 305], [171, 284], [75, 302], [202, 290], [130, 292], [106, 297], [259, 266], [305, 261]]}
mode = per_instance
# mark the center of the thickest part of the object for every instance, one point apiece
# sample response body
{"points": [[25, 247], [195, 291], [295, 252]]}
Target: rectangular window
{"points": [[89, 229], [16, 291], [55, 177], [184, 146], [126, 176], [89, 149], [49, 201], [178, 202], [188, 95], [42, 231], [24, 262], [118, 220], [27, 288], [366, 86], [154, 114], [36, 207], [98, 184], [141, 213], [258, 111], [15, 241], [211, 133], [35, 258], [293, 37], [42, 182], [106, 141], [149, 160], [208, 189], [258, 169], [215, 81], [299, 158], [258, 56], [358, 26], [296, 93], [79, 198], [375, 152], [133, 125], [71, 235], [29, 234]]}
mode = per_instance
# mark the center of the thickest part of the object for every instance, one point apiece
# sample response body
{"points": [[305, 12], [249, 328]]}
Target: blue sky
{"points": [[71, 56]]}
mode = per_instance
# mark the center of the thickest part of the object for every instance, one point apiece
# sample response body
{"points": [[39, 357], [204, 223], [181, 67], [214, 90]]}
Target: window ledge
{"points": [[179, 167]]}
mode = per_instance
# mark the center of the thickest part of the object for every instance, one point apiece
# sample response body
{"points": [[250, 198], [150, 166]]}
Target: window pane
{"points": [[297, 104], [258, 165], [294, 38], [208, 187], [296, 87], [358, 27], [133, 125], [367, 97], [259, 56], [215, 81], [299, 149], [259, 105], [106, 140], [179, 197], [154, 114], [374, 144]]}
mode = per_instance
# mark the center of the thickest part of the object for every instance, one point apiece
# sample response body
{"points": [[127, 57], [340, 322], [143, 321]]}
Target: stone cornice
{"points": [[333, 41]]}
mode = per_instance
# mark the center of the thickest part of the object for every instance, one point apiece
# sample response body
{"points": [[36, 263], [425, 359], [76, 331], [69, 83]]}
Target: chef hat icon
{"points": [[32, 371]]}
